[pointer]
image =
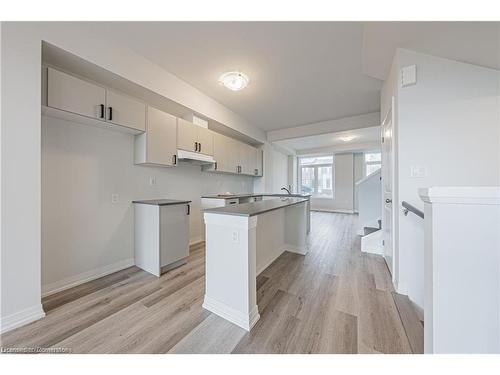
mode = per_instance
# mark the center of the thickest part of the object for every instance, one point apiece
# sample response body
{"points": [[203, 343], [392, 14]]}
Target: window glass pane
{"points": [[316, 175], [370, 168], [307, 183], [317, 160], [373, 156], [325, 182]]}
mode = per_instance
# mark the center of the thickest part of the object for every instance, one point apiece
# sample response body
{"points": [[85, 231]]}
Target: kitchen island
{"points": [[219, 200], [241, 241]]}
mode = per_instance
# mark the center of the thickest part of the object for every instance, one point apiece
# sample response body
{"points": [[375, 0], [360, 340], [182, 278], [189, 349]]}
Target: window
{"points": [[372, 162], [316, 176]]}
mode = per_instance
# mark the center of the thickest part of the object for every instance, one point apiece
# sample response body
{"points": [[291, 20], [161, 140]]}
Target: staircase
{"points": [[371, 241], [369, 230], [370, 212]]}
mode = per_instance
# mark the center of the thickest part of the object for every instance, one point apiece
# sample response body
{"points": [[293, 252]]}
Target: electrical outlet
{"points": [[152, 180], [115, 198]]}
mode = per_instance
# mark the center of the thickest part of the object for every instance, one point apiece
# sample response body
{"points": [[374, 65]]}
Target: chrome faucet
{"points": [[287, 190]]}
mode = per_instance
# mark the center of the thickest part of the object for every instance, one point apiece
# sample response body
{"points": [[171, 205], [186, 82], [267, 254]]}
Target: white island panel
{"points": [[240, 243]]}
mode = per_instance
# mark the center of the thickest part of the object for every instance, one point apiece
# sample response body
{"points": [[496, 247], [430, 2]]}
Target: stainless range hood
{"points": [[194, 158]]}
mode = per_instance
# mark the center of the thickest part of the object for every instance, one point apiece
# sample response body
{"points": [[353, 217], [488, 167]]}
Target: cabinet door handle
{"points": [[188, 209], [199, 146], [215, 165], [174, 159], [110, 113], [196, 146], [101, 114]]}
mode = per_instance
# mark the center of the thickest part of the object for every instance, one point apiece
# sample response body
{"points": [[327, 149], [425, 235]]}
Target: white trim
{"points": [[232, 221], [370, 176], [372, 243], [302, 250], [402, 288], [196, 240], [84, 277], [324, 127], [461, 194], [418, 309], [188, 156], [262, 268], [232, 315], [340, 211], [21, 318]]}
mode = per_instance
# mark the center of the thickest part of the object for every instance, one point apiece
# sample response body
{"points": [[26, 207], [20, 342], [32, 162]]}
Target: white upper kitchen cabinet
{"points": [[233, 156], [78, 100], [225, 154], [206, 141], [257, 162], [194, 138], [158, 145], [246, 159], [75, 95], [125, 111], [187, 135]]}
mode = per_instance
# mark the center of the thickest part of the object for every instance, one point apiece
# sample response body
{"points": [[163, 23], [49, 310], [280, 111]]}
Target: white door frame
{"points": [[395, 202]]}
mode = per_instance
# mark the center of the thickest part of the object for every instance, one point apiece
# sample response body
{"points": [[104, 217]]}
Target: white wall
{"points": [[370, 200], [343, 199], [448, 123], [275, 171], [359, 173], [81, 167], [292, 173], [21, 142]]}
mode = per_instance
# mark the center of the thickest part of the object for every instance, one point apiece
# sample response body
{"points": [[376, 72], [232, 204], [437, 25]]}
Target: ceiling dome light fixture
{"points": [[234, 81], [347, 138]]}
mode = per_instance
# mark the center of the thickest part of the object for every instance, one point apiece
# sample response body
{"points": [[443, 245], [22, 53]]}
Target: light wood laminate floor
{"points": [[333, 300]]}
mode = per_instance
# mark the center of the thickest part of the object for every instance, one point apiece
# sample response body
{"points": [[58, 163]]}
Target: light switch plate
{"points": [[152, 180], [408, 75], [418, 172], [115, 198], [235, 237]]}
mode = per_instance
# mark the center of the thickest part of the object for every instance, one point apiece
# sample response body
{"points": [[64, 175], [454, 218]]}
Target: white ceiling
{"points": [[300, 72], [470, 42], [361, 136]]}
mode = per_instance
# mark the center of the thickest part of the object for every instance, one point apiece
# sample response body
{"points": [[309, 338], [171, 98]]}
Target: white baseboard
{"points": [[302, 250], [84, 277], [262, 268], [402, 288], [196, 240], [419, 310], [21, 318], [338, 211], [234, 316]]}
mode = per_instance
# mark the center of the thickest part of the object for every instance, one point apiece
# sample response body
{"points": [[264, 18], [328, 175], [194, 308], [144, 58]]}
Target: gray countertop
{"points": [[161, 202], [255, 208], [255, 195]]}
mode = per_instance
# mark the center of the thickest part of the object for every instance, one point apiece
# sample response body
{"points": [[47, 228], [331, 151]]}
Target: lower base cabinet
{"points": [[161, 235]]}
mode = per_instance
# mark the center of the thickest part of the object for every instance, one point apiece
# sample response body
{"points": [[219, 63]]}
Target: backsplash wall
{"points": [[82, 166]]}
